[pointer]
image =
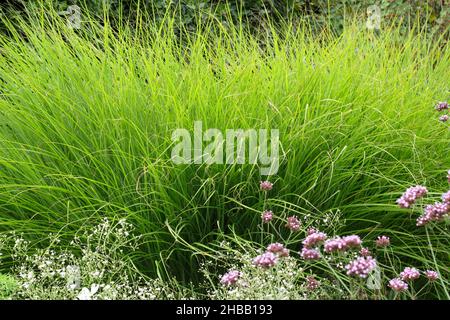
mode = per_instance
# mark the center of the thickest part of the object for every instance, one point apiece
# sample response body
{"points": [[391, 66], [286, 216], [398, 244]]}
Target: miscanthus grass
{"points": [[86, 117]]}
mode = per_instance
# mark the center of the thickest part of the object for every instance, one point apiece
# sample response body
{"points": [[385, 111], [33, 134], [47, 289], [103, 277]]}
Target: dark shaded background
{"points": [[433, 15]]}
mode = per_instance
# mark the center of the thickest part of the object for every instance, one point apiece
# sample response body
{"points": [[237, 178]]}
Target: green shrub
{"points": [[8, 286]]}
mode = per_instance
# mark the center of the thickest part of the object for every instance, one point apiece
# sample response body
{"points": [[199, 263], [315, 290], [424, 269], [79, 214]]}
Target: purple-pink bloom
{"points": [[230, 278], [411, 195], [335, 244], [409, 274], [312, 230], [266, 260], [314, 239], [293, 223], [284, 253], [310, 254], [364, 252], [361, 266], [441, 106], [444, 118], [342, 244], [446, 197], [265, 185], [398, 285], [278, 249], [435, 212], [275, 247], [351, 241], [382, 241], [422, 220], [267, 216], [312, 283], [431, 275]]}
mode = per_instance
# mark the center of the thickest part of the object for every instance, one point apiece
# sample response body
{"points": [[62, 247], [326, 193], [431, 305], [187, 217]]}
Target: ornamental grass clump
{"points": [[86, 124]]}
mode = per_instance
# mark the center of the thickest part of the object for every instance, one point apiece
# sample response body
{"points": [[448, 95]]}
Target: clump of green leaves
{"points": [[8, 286]]}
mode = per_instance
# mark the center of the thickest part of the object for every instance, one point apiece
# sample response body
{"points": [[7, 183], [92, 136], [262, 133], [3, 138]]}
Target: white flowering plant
{"points": [[94, 266]]}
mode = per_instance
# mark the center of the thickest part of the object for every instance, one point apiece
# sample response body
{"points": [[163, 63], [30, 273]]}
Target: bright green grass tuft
{"points": [[8, 285], [86, 118]]}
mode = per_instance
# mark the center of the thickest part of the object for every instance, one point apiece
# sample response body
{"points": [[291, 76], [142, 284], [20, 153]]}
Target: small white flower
{"points": [[86, 294], [96, 274], [94, 288], [71, 287]]}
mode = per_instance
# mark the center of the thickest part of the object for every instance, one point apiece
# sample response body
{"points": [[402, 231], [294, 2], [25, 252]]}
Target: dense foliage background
{"points": [[433, 14]]}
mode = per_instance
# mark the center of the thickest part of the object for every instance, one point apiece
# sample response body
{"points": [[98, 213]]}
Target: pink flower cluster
{"points": [[409, 274], [352, 241], [312, 283], [335, 244], [446, 197], [267, 216], [431, 275], [435, 212], [411, 195], [293, 223], [382, 241], [364, 252], [440, 106], [266, 260], [230, 278], [361, 266], [314, 239], [342, 244], [310, 254], [266, 185], [398, 285], [278, 249]]}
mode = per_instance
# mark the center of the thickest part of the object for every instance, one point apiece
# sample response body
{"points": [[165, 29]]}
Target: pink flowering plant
{"points": [[272, 273], [444, 112], [305, 257]]}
